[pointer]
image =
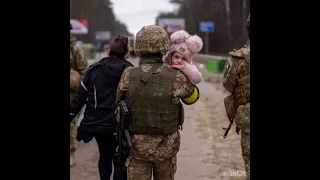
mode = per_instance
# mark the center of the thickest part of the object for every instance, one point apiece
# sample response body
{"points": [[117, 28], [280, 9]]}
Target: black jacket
{"points": [[98, 91]]}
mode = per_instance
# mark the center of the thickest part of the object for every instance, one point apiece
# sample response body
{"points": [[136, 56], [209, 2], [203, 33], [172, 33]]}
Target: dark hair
{"points": [[119, 47]]}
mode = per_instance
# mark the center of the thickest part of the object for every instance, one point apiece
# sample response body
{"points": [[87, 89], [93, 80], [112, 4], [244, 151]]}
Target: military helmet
{"points": [[152, 39]]}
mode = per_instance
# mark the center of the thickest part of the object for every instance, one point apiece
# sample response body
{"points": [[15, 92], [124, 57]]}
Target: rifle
{"points": [[123, 135], [229, 127]]}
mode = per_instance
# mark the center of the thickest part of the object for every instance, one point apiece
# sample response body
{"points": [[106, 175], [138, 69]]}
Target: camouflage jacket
{"points": [[156, 147], [78, 62], [74, 81], [236, 79]]}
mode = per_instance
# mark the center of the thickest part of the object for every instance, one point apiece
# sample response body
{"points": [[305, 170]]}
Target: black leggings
{"points": [[107, 144]]}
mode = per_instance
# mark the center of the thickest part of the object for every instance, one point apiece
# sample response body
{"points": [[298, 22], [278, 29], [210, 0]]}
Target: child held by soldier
{"points": [[184, 46]]}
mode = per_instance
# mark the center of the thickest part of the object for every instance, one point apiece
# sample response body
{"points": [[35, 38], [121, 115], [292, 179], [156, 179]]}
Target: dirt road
{"points": [[204, 154]]}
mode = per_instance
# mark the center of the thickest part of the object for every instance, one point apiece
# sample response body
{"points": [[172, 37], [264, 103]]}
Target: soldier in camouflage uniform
{"points": [[236, 80], [79, 64], [153, 93], [75, 79]]}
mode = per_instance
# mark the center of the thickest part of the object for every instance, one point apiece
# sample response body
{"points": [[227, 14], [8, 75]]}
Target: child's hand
{"points": [[179, 66]]}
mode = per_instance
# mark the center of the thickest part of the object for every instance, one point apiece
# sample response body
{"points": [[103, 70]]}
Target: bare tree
{"points": [[227, 7], [228, 16], [100, 17]]}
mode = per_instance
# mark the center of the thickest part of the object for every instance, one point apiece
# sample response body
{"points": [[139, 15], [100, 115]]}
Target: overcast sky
{"points": [[138, 13]]}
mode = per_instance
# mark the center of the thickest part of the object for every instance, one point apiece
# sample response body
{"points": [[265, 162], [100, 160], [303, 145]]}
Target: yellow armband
{"points": [[193, 98]]}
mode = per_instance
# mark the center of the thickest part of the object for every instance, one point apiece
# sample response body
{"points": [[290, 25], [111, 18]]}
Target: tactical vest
{"points": [[152, 110], [242, 91], [237, 80]]}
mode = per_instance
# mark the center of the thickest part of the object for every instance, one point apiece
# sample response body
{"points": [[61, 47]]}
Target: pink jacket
{"points": [[192, 72]]}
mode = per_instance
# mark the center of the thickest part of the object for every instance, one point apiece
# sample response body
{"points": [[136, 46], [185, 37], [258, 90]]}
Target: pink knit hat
{"points": [[185, 44]]}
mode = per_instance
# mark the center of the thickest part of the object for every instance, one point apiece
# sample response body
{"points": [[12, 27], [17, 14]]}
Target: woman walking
{"points": [[98, 91]]}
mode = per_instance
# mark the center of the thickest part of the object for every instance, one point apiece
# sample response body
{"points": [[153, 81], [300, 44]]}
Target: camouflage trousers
{"points": [[245, 146], [143, 170], [73, 134]]}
